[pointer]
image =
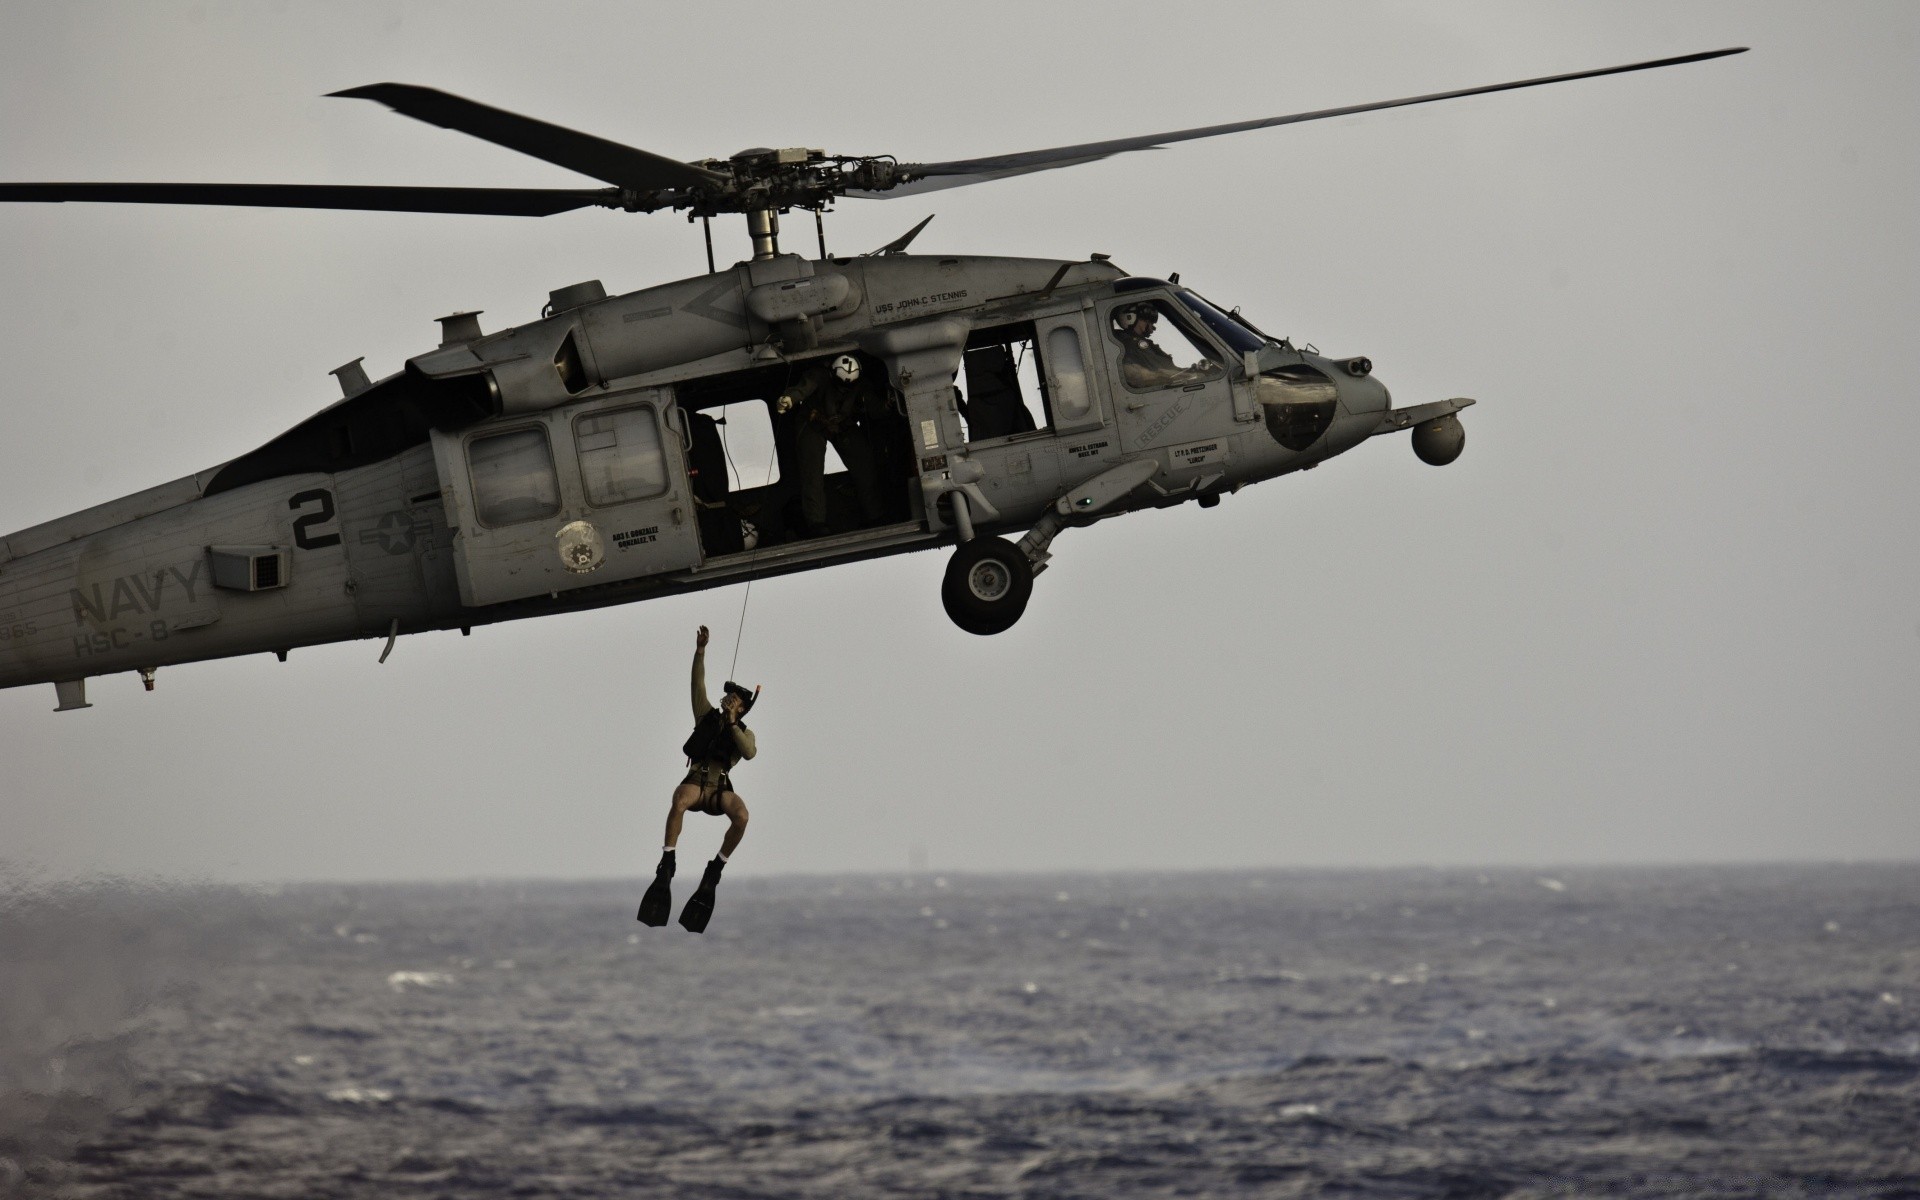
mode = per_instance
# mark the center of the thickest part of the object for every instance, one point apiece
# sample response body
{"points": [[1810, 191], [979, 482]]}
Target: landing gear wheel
{"points": [[987, 585]]}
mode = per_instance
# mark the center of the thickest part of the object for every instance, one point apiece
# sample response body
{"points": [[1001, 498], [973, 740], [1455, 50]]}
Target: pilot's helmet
{"points": [[1125, 318], [846, 368]]}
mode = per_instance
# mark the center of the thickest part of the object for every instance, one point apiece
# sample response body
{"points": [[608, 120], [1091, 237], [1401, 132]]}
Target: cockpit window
{"points": [[1225, 326], [1143, 363]]}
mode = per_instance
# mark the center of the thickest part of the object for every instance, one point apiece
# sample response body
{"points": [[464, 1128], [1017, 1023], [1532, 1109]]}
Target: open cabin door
{"points": [[588, 494]]}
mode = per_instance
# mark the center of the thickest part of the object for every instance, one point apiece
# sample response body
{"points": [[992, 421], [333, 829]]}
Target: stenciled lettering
{"points": [[88, 608], [136, 592], [123, 598], [190, 578], [1160, 426], [918, 302]]}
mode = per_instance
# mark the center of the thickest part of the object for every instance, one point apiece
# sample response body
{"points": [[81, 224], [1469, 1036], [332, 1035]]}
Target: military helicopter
{"points": [[577, 460]]}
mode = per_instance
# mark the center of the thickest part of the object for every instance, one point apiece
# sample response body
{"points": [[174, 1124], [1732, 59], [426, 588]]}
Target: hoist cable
{"points": [[773, 452], [748, 594]]}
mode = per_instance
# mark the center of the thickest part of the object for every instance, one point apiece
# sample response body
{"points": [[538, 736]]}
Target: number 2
{"points": [[303, 539]]}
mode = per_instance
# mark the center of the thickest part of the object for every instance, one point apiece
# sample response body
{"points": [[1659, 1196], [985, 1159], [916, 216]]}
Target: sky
{"points": [[1665, 608]]}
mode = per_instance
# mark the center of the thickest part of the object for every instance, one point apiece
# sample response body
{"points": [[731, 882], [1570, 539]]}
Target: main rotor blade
{"points": [[501, 202], [615, 163], [928, 177]]}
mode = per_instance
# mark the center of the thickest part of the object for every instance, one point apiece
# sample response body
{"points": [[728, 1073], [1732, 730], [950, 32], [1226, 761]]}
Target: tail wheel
{"points": [[987, 585]]}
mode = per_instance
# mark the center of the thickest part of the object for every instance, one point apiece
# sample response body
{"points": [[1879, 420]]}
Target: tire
{"points": [[987, 585]]}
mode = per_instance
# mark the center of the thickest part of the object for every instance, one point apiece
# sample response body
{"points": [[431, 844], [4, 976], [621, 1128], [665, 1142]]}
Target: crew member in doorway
{"points": [[720, 740], [838, 401]]}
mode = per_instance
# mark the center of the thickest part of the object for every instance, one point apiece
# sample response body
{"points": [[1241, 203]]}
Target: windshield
{"points": [[1228, 329]]}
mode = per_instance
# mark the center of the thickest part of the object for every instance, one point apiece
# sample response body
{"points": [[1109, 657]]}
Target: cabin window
{"points": [[1067, 369], [621, 455], [998, 391], [513, 477]]}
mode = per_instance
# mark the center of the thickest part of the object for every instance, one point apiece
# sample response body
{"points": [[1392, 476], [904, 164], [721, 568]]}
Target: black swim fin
{"points": [[657, 905], [699, 909]]}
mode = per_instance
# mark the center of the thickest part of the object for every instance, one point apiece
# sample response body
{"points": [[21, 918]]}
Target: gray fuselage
{"points": [[375, 514]]}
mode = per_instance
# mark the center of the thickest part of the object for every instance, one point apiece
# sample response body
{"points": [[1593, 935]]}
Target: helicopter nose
{"points": [[1360, 392], [1300, 401]]}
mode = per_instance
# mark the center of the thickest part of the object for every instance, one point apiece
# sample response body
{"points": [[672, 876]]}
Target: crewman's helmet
{"points": [[746, 697], [1124, 319], [846, 368]]}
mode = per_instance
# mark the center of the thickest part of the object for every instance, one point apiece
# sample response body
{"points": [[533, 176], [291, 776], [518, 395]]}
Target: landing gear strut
{"points": [[989, 579]]}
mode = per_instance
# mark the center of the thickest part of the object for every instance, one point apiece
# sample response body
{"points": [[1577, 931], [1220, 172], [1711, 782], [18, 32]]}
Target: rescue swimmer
{"points": [[720, 739]]}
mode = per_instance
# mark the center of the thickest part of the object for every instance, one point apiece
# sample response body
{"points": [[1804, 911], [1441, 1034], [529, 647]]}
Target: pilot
{"points": [[840, 404], [1143, 364], [720, 740]]}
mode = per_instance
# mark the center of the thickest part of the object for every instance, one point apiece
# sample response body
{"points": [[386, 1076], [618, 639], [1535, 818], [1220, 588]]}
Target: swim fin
{"points": [[657, 905], [699, 909]]}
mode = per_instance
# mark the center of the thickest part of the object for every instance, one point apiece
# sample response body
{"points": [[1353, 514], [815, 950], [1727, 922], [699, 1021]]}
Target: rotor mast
{"points": [[763, 226]]}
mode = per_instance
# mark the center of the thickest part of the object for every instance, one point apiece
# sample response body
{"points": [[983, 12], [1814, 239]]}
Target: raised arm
{"points": [[799, 391], [701, 705]]}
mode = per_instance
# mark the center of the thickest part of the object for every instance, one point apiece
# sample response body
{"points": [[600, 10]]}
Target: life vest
{"points": [[1147, 353], [711, 740]]}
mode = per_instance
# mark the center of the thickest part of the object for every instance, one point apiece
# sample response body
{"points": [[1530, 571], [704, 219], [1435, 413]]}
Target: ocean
{"points": [[1699, 1032]]}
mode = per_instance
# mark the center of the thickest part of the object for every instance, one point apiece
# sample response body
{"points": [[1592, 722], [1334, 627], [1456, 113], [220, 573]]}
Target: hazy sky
{"points": [[1666, 606]]}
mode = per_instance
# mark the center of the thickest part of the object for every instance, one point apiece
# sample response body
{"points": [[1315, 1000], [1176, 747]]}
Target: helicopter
{"points": [[583, 459]]}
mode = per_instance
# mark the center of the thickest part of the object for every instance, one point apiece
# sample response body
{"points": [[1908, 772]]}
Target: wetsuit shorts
{"points": [[713, 781]]}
